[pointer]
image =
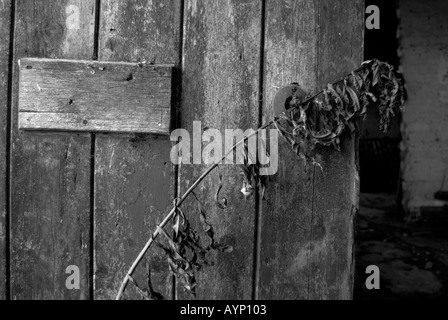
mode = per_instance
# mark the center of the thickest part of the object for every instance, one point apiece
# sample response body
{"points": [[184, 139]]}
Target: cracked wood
{"points": [[94, 96], [50, 173]]}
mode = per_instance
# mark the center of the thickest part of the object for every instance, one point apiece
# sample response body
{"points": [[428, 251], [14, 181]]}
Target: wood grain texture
{"points": [[5, 27], [285, 228], [134, 178], [307, 232], [221, 64], [133, 189], [90, 96], [141, 30], [341, 25], [50, 180]]}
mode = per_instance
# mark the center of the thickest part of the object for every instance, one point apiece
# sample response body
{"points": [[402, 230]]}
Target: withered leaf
{"points": [[322, 119]]}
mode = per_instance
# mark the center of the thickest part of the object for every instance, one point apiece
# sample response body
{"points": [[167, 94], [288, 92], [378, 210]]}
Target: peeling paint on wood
{"points": [[50, 180], [134, 179], [5, 20], [69, 95]]}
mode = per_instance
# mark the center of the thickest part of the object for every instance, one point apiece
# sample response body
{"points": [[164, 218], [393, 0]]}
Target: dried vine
{"points": [[322, 119], [317, 120]]}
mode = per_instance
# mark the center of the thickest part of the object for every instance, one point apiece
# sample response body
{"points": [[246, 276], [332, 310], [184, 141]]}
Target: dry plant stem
{"points": [[173, 211], [190, 190]]}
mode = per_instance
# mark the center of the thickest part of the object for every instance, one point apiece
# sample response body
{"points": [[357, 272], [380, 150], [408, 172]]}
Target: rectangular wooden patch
{"points": [[93, 96]]}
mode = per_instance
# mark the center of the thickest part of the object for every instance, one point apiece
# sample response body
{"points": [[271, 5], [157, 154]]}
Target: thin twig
{"points": [[195, 184], [173, 211]]}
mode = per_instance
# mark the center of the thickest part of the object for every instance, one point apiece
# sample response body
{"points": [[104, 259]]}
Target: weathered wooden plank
{"points": [[134, 179], [91, 96], [50, 178], [221, 71], [133, 189], [307, 225], [341, 25], [5, 27], [285, 226]]}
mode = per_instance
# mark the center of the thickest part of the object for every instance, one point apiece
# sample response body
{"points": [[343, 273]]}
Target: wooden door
{"points": [[92, 200]]}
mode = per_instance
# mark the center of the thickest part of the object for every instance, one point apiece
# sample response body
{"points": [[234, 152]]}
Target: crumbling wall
{"points": [[424, 62]]}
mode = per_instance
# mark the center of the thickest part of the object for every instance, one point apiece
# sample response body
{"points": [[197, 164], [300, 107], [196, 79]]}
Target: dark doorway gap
{"points": [[380, 153]]}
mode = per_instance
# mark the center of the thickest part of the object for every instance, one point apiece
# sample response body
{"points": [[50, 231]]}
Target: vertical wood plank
{"points": [[307, 228], [50, 180], [5, 27], [134, 179], [291, 56], [341, 25], [221, 64]]}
